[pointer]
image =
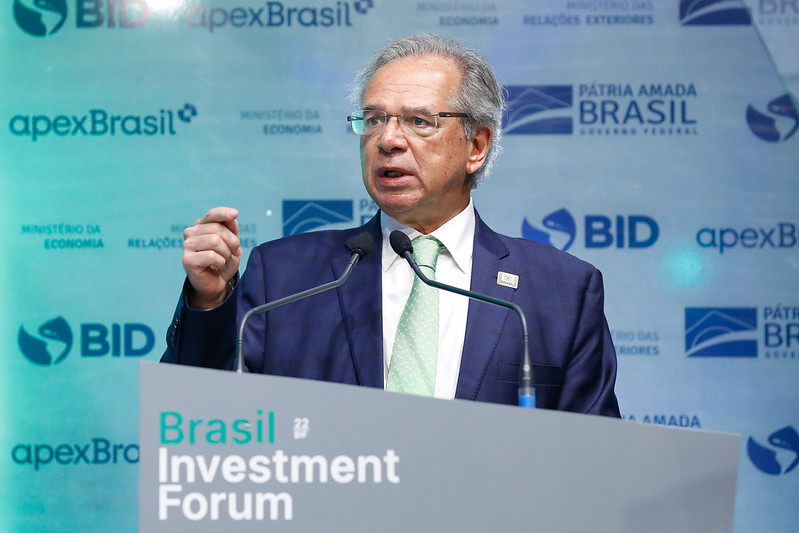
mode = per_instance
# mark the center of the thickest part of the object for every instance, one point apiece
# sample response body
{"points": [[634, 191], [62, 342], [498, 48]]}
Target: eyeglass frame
{"points": [[352, 119]]}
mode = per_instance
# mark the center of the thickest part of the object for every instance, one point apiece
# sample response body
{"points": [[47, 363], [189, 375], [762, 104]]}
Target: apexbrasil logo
{"points": [[274, 15], [99, 122], [55, 339], [765, 458], [100, 451]]}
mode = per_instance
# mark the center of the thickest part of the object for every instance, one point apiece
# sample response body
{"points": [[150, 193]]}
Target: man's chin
{"points": [[395, 205]]}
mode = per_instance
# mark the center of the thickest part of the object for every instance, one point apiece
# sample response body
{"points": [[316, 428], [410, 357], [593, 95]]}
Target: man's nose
{"points": [[393, 136]]}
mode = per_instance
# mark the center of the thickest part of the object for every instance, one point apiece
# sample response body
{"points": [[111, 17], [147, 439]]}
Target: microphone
{"points": [[361, 247], [401, 244]]}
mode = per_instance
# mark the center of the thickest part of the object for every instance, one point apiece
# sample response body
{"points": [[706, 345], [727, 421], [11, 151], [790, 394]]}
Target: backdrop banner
{"points": [[654, 139]]}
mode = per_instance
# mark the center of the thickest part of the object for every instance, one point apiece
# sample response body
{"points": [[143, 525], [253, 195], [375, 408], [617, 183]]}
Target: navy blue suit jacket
{"points": [[337, 336]]}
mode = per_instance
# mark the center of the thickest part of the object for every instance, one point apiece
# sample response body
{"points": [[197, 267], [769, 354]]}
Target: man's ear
{"points": [[479, 149]]}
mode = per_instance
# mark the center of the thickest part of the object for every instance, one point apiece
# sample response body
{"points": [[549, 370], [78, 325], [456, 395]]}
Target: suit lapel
{"points": [[361, 308], [485, 322]]}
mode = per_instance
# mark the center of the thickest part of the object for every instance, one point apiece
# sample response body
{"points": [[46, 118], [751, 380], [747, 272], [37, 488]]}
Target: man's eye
{"points": [[419, 121], [371, 120]]}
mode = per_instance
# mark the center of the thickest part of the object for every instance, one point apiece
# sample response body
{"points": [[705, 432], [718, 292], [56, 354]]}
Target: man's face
{"points": [[419, 181]]}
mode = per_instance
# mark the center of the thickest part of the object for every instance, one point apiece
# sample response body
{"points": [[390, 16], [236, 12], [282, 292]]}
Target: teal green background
{"points": [[148, 188]]}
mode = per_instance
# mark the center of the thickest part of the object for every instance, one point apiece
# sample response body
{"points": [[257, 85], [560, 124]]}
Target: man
{"points": [[429, 117]]}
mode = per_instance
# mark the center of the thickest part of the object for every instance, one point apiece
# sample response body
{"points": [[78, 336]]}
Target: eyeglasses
{"points": [[421, 123]]}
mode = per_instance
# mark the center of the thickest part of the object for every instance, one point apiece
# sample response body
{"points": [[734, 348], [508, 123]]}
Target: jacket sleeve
{"points": [[590, 376], [202, 338]]}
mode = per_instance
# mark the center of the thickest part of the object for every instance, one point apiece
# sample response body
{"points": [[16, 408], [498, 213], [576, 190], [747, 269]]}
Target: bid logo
{"points": [[779, 124], [40, 18], [55, 339], [601, 231], [765, 458]]}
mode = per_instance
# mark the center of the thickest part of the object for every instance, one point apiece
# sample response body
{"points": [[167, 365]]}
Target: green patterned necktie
{"points": [[415, 354]]}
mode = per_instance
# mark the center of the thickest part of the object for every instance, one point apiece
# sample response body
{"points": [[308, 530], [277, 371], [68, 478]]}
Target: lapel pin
{"points": [[507, 280]]}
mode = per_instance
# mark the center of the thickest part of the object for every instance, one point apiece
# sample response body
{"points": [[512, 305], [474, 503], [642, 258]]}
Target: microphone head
{"points": [[362, 244], [400, 243]]}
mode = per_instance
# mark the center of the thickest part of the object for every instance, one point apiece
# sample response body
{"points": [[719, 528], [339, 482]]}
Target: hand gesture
{"points": [[211, 256]]}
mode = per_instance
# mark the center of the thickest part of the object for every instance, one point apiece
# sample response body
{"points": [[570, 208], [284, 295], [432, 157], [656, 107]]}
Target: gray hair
{"points": [[479, 93]]}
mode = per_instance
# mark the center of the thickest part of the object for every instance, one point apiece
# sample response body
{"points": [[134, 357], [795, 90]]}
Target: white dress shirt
{"points": [[454, 267]]}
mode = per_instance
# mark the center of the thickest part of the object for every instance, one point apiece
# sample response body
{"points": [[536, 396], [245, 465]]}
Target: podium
{"points": [[222, 451]]}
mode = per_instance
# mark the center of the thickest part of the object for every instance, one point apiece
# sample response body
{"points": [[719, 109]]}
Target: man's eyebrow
{"points": [[403, 109], [420, 109]]}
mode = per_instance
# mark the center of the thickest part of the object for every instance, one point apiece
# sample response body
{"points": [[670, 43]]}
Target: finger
{"points": [[213, 218], [204, 233], [225, 245], [205, 260], [219, 214], [232, 226], [210, 263]]}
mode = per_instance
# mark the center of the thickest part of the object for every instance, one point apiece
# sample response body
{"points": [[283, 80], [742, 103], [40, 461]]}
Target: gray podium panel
{"points": [[227, 452]]}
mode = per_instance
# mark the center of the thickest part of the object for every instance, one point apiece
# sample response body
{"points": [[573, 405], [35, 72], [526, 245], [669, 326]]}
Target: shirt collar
{"points": [[457, 235]]}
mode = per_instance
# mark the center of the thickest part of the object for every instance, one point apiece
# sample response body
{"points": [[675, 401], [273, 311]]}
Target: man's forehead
{"points": [[416, 81], [404, 101]]}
